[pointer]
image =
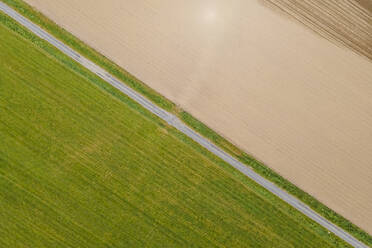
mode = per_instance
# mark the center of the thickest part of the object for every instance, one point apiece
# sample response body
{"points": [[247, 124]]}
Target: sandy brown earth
{"points": [[348, 22], [280, 91]]}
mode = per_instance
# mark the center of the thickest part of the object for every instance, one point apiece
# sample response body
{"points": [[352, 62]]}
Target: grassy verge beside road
{"points": [[161, 101]]}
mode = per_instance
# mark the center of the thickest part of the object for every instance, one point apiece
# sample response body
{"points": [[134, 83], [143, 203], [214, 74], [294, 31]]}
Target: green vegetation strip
{"points": [[136, 84], [84, 166]]}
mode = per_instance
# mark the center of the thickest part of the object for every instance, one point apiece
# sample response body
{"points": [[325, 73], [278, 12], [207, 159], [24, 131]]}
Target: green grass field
{"points": [[139, 86], [81, 165]]}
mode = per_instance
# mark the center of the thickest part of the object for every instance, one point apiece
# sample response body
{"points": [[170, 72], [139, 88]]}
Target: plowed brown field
{"points": [[348, 22], [280, 91]]}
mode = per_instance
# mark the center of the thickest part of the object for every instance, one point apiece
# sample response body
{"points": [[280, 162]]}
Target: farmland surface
{"points": [[82, 165], [275, 88], [347, 22]]}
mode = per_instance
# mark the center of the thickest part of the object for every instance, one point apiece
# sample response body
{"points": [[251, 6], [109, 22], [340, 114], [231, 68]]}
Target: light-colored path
{"points": [[174, 121], [276, 89]]}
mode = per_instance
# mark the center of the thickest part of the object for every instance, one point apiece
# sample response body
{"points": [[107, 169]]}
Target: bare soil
{"points": [[280, 91], [348, 22]]}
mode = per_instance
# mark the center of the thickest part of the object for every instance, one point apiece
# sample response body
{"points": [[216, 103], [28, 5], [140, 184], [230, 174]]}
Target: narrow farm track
{"points": [[175, 122], [348, 21]]}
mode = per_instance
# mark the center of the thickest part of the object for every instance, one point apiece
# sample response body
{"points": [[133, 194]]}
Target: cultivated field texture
{"points": [[275, 88], [81, 165], [348, 22]]}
